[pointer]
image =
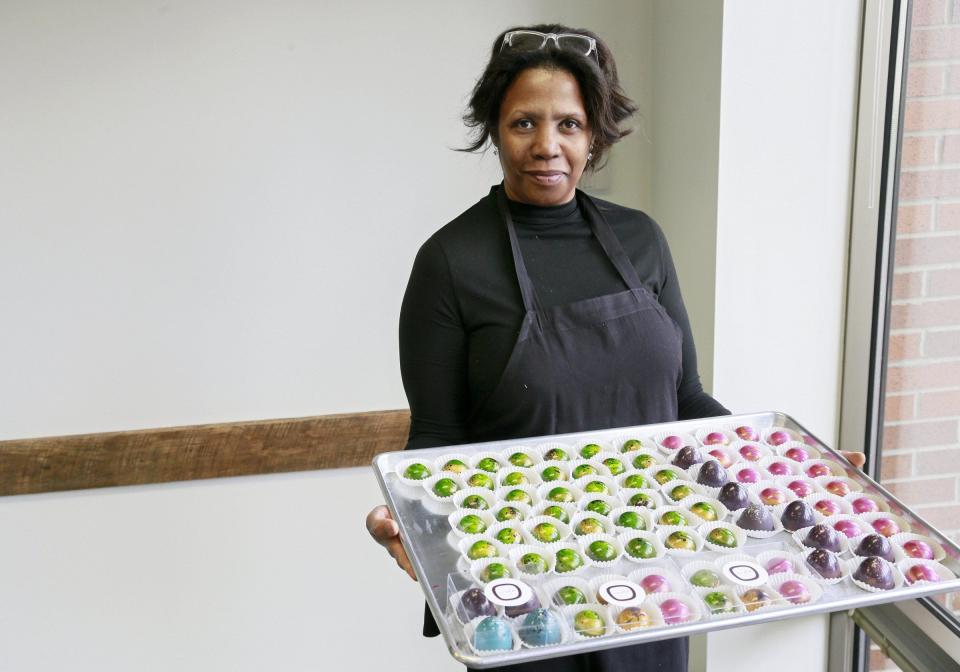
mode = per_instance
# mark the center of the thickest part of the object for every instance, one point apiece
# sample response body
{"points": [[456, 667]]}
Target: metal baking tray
{"points": [[424, 528]]}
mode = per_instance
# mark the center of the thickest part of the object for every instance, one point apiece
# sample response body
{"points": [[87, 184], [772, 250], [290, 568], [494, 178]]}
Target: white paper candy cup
{"points": [[736, 607], [517, 460], [440, 462], [770, 561], [899, 540], [571, 546], [854, 563], [586, 541], [683, 440], [872, 518], [611, 502], [813, 588], [751, 452], [823, 510], [569, 509], [544, 451], [816, 576], [734, 473], [726, 436], [580, 468], [570, 613], [665, 531], [454, 520], [518, 476], [691, 520], [939, 570], [562, 467], [798, 452], [402, 467], [774, 599], [688, 503], [771, 440], [553, 584], [517, 526], [605, 521], [691, 568], [626, 495], [647, 444], [788, 466], [589, 481], [471, 628], [837, 522], [523, 509], [644, 515], [477, 567], [508, 494], [630, 477], [673, 582], [800, 537], [759, 534], [831, 468], [487, 496], [563, 530], [693, 604], [649, 607], [738, 534], [626, 537], [544, 492], [882, 506], [476, 458], [429, 484], [516, 555], [829, 484], [580, 447], [759, 487], [693, 489]]}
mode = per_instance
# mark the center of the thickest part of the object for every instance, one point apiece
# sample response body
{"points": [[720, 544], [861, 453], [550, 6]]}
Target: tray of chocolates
{"points": [[543, 547]]}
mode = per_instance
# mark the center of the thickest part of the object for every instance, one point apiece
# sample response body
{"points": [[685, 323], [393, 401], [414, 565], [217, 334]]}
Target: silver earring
{"points": [[589, 156], [495, 153]]}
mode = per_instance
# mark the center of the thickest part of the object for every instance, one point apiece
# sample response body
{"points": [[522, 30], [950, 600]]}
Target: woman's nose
{"points": [[547, 143]]}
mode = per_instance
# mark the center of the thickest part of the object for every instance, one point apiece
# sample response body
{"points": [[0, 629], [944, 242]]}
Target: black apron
{"points": [[608, 361]]}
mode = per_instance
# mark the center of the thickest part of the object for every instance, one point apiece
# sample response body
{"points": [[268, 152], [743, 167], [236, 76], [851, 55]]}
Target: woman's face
{"points": [[543, 137]]}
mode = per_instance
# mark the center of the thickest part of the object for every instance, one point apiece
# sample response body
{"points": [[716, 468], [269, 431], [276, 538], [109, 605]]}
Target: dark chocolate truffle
{"points": [[521, 609], [823, 536], [733, 496], [474, 603], [686, 457], [825, 564], [875, 573], [874, 544], [797, 515], [756, 518], [711, 474]]}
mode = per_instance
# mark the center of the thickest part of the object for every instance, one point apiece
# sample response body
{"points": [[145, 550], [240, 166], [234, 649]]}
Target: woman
{"points": [[541, 310]]}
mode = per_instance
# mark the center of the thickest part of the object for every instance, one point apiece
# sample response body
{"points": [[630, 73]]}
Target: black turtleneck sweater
{"points": [[462, 309]]}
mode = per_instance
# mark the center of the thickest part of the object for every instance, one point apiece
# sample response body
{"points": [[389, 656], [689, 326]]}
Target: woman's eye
{"points": [[524, 123], [571, 123]]}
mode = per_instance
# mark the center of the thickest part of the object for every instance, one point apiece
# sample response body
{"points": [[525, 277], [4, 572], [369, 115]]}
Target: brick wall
{"points": [[921, 438]]}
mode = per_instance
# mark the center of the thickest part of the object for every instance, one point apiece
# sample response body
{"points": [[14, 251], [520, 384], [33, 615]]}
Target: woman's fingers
{"points": [[856, 459], [384, 529]]}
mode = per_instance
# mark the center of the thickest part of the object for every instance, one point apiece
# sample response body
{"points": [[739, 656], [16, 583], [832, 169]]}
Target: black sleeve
{"points": [[693, 402], [433, 352]]}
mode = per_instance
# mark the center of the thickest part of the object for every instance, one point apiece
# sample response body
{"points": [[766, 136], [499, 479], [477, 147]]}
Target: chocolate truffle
{"points": [[601, 551], [705, 578], [482, 549], [672, 442], [533, 563], [560, 494], [472, 524], [772, 496], [827, 507], [795, 592], [921, 573], [672, 518], [655, 583], [721, 536], [721, 456], [665, 476], [507, 513], [518, 495], [712, 474], [747, 433], [545, 532], [445, 487], [630, 445], [875, 573], [756, 518], [797, 454], [488, 464], [509, 535], [632, 618], [719, 603], [541, 627], [848, 528], [797, 515], [598, 506], [635, 481], [748, 475], [589, 623], [480, 480], [825, 563], [750, 452], [589, 525], [455, 465], [680, 541], [643, 461], [715, 438], [594, 487], [514, 478], [569, 595], [818, 469], [679, 492], [642, 499], [733, 496], [557, 512], [552, 473], [589, 450], [494, 571], [686, 457], [557, 454], [838, 488], [800, 488], [640, 548], [525, 608], [778, 468], [874, 544], [916, 548], [778, 566], [675, 611], [493, 634], [614, 465], [885, 526], [416, 472], [582, 470], [568, 560], [474, 502], [822, 536], [755, 598], [474, 603], [705, 510], [864, 505], [520, 459], [777, 438], [631, 520]]}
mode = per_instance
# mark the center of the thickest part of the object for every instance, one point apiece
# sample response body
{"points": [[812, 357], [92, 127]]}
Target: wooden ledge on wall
{"points": [[201, 451]]}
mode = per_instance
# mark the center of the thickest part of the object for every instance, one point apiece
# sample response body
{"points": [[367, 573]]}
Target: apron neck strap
{"points": [[530, 301]]}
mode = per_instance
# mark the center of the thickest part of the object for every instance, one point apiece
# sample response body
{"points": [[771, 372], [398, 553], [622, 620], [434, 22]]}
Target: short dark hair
{"points": [[605, 102]]}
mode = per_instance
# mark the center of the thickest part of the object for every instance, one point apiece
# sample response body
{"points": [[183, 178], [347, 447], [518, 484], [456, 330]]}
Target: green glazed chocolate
{"points": [[480, 481], [508, 513], [678, 492], [705, 578], [445, 487], [582, 470], [557, 512], [680, 540], [545, 532], [518, 496], [672, 518], [569, 595], [589, 623], [482, 549], [488, 464], [719, 602], [475, 502], [597, 487], [494, 571], [589, 451], [556, 454], [636, 481], [665, 476], [705, 510], [589, 526], [520, 460], [630, 445], [551, 474], [560, 494], [472, 524], [455, 465], [721, 536], [642, 499], [508, 535], [641, 548], [533, 563], [631, 520], [601, 551], [598, 506], [614, 465], [514, 478], [416, 472], [644, 461], [568, 560]]}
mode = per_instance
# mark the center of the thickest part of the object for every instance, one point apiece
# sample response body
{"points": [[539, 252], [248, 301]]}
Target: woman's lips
{"points": [[546, 177]]}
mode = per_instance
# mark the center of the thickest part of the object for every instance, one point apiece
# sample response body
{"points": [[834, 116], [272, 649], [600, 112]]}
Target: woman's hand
{"points": [[383, 528], [856, 459]]}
